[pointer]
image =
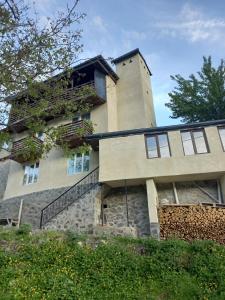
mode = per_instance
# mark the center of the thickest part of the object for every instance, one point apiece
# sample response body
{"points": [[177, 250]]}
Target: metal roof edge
{"points": [[129, 55], [122, 133]]}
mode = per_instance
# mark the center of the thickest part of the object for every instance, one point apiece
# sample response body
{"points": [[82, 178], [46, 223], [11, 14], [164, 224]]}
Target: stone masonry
{"points": [[115, 209], [81, 216], [115, 231], [32, 205], [188, 192]]}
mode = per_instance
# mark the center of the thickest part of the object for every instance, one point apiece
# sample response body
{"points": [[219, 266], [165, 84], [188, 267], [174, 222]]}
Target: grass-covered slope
{"points": [[63, 266]]}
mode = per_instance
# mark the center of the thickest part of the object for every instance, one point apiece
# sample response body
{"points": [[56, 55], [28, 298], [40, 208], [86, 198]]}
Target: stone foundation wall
{"points": [[188, 192], [81, 216], [4, 171], [193, 222], [32, 205], [165, 192], [115, 231], [115, 209]]}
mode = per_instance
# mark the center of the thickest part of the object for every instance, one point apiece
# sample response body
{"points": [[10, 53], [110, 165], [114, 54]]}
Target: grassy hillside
{"points": [[64, 266]]}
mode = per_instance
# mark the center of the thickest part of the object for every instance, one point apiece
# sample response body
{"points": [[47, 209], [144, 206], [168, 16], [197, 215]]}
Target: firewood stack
{"points": [[202, 222]]}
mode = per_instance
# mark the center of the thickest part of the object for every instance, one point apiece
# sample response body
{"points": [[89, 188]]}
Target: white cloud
{"points": [[134, 35], [99, 24], [193, 25], [130, 38]]}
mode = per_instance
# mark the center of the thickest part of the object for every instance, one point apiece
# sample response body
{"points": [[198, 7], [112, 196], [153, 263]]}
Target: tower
{"points": [[134, 93]]}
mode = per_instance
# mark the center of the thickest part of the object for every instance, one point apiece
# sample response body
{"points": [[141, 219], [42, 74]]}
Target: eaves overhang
{"points": [[129, 55], [99, 62], [151, 130]]}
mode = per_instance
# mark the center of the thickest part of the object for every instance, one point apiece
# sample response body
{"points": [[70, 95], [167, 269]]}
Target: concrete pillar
{"points": [[222, 184], [152, 208]]}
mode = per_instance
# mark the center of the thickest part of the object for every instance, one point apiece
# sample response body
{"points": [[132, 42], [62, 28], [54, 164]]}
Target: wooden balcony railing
{"points": [[26, 149], [73, 133], [85, 92]]}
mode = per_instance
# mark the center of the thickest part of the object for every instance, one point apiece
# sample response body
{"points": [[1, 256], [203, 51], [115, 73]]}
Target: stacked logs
{"points": [[192, 222]]}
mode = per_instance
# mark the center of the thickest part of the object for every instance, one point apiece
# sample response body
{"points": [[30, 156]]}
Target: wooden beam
{"points": [[219, 192], [207, 193], [20, 213], [175, 193]]}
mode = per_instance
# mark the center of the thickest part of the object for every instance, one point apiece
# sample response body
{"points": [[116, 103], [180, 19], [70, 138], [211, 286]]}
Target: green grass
{"points": [[53, 265]]}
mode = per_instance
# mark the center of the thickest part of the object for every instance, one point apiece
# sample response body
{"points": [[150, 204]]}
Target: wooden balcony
{"points": [[87, 92], [73, 133], [20, 152]]}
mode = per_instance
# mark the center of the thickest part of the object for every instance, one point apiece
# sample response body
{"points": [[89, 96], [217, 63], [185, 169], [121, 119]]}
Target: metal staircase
{"points": [[74, 193]]}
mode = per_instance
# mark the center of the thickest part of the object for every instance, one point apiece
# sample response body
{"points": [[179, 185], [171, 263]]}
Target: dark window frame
{"points": [[218, 129], [193, 140], [157, 144]]}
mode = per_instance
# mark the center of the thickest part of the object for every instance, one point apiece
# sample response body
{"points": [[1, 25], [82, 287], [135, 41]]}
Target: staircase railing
{"points": [[71, 195]]}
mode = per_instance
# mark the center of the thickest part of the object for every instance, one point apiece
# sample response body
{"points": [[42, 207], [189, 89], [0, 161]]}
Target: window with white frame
{"points": [[222, 136], [40, 136], [78, 163], [5, 146], [194, 142], [31, 173]]}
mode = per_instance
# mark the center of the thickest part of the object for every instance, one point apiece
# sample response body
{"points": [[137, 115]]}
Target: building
{"points": [[139, 166]]}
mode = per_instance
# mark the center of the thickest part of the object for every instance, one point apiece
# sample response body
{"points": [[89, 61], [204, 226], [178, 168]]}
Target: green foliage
{"points": [[4, 139], [31, 52], [200, 98], [51, 265], [73, 237], [24, 229]]}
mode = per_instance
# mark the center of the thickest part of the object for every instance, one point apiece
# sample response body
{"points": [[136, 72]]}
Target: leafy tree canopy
{"points": [[31, 54], [199, 98]]}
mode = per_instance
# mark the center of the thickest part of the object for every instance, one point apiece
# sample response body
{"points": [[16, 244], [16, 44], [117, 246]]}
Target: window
{"points": [[78, 163], [40, 136], [5, 146], [222, 136], [31, 173], [194, 142], [158, 146], [85, 116]]}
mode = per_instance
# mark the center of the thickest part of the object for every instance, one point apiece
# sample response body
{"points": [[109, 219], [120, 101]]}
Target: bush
{"points": [[73, 237], [24, 229]]}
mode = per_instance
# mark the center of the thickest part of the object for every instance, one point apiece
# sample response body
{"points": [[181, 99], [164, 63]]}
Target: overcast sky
{"points": [[172, 35]]}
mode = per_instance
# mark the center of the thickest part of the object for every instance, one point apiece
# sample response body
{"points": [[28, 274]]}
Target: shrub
{"points": [[24, 229], [73, 237]]}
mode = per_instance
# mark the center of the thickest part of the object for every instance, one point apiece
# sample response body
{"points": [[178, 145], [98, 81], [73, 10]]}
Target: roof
{"points": [[100, 62], [151, 130], [129, 55], [97, 61]]}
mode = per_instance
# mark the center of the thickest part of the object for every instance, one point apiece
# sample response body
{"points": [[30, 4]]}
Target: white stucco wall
{"points": [[126, 158]]}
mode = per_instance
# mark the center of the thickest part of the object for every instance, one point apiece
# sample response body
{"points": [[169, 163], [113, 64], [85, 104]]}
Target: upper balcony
{"points": [[90, 92], [73, 133], [20, 152]]}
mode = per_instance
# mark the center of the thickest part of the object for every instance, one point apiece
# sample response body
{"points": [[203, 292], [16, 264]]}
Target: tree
{"points": [[31, 54], [199, 98]]}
